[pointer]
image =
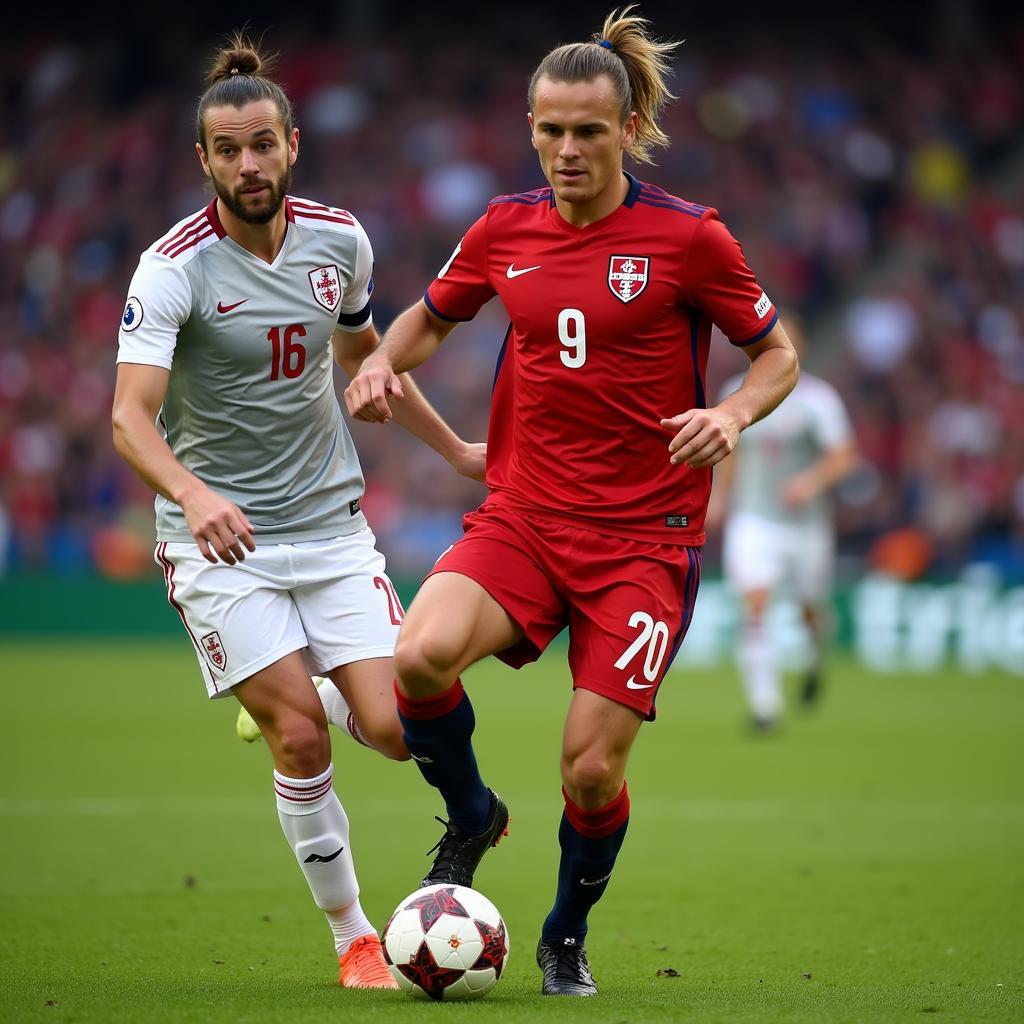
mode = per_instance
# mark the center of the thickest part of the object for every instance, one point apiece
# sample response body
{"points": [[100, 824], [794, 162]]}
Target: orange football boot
{"points": [[362, 966]]}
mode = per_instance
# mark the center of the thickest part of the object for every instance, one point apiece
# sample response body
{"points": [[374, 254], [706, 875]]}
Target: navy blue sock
{"points": [[438, 732], [590, 842]]}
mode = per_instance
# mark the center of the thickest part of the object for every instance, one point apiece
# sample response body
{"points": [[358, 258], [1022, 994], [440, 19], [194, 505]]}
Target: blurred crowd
{"points": [[873, 181]]}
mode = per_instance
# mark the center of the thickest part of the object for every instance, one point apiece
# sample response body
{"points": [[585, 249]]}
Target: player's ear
{"points": [[293, 147], [203, 160], [529, 121], [629, 130]]}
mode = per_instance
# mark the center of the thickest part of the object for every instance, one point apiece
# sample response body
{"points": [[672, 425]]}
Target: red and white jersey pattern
{"points": [[610, 330], [250, 406]]}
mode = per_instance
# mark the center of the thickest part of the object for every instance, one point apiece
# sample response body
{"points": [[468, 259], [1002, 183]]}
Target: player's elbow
{"points": [[793, 368], [119, 429]]}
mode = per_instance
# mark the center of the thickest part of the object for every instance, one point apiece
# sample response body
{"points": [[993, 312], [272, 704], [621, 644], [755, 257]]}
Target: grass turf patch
{"points": [[866, 863]]}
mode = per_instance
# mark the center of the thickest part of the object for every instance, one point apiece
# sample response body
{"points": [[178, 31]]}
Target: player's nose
{"points": [[249, 162], [569, 149]]}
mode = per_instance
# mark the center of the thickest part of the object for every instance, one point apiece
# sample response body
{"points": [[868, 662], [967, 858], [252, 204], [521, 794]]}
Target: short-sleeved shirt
{"points": [[610, 330], [250, 407], [810, 422]]}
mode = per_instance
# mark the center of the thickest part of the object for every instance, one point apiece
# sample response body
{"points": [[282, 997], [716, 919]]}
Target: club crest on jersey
{"points": [[214, 650], [326, 286], [627, 276]]}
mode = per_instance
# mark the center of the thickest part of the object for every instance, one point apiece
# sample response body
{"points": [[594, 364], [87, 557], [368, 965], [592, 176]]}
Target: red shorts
{"points": [[627, 602]]}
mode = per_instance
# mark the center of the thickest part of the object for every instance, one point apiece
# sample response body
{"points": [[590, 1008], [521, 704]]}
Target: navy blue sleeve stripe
{"points": [[660, 195], [518, 199], [760, 334], [355, 319], [501, 358], [669, 206], [537, 195], [443, 316]]}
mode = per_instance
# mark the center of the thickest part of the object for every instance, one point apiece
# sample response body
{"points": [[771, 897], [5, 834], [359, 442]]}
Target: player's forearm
{"points": [[833, 466], [139, 443], [412, 339], [772, 375], [422, 420]]}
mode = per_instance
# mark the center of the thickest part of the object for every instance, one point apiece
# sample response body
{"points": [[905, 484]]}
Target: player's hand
{"points": [[702, 437], [220, 528], [798, 490], [367, 395], [471, 461]]}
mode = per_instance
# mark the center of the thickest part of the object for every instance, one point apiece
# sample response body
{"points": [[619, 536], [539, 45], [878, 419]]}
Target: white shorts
{"points": [[760, 554], [330, 599]]}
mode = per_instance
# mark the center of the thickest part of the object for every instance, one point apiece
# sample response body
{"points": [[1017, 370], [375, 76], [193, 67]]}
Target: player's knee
{"points": [[755, 605], [302, 746], [590, 779], [387, 739], [424, 661]]}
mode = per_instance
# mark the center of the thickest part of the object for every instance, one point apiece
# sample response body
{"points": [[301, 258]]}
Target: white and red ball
{"points": [[446, 942]]}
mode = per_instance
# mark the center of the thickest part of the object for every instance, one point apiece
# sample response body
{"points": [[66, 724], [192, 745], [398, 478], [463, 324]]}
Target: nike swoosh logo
{"points": [[512, 272], [630, 685], [221, 308], [323, 860]]}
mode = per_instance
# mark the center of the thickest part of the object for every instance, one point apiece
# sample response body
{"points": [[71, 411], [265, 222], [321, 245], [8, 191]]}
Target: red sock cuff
{"points": [[601, 822], [429, 707]]}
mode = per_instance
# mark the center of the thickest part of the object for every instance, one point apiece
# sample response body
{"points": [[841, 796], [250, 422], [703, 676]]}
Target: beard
{"points": [[248, 210]]}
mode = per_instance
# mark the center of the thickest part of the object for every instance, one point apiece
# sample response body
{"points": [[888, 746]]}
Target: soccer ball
{"points": [[446, 942]]}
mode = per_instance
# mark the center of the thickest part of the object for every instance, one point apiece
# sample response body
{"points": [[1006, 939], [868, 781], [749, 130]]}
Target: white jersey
{"points": [[810, 421], [250, 406]]}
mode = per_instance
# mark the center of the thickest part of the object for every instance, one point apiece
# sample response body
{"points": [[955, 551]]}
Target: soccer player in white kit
{"points": [[773, 495], [225, 406]]}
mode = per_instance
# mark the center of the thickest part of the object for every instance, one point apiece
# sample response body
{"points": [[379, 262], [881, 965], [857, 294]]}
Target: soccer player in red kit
{"points": [[599, 458]]}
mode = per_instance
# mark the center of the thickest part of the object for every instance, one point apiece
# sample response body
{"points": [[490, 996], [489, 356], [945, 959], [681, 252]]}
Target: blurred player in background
{"points": [[773, 496], [227, 340], [599, 458]]}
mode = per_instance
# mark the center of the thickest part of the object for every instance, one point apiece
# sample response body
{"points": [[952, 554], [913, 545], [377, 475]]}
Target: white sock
{"points": [[316, 827], [336, 709], [349, 924], [760, 672]]}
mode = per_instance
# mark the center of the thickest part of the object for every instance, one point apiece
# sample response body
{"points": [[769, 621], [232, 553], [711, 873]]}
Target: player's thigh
{"points": [[349, 608], [453, 622], [599, 734], [240, 618], [753, 554], [628, 618], [812, 566], [280, 691], [489, 593]]}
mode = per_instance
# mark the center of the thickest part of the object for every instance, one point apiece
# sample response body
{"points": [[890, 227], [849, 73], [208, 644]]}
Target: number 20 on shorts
{"points": [[655, 636]]}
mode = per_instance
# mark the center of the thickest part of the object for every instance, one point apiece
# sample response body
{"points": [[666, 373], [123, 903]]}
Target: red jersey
{"points": [[610, 330]]}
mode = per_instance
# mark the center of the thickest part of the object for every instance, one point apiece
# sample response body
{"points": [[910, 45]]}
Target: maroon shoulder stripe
{"points": [[333, 218], [190, 243], [192, 225], [309, 204]]}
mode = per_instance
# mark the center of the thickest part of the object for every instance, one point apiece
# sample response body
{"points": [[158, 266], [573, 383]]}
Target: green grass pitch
{"points": [[866, 864]]}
